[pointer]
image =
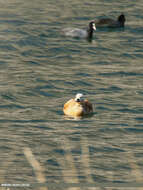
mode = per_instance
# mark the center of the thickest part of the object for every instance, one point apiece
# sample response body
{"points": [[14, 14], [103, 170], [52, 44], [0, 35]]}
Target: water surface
{"points": [[40, 70]]}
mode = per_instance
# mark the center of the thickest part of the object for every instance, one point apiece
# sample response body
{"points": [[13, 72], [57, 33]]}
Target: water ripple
{"points": [[40, 70]]}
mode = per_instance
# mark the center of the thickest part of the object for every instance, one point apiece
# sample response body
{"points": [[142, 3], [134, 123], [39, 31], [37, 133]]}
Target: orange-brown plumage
{"points": [[77, 107]]}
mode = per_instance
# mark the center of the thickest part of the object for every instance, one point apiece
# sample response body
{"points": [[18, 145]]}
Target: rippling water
{"points": [[40, 70]]}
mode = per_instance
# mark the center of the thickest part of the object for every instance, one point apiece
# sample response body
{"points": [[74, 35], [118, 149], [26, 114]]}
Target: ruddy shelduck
{"points": [[78, 106]]}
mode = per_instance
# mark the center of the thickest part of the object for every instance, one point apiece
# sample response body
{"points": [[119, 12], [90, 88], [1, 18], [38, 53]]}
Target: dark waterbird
{"points": [[80, 33], [109, 22]]}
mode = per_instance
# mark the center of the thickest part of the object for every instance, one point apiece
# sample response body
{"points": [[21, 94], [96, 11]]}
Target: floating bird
{"points": [[80, 33], [108, 22], [78, 106]]}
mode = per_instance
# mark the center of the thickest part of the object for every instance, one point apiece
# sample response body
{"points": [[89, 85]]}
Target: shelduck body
{"points": [[77, 107]]}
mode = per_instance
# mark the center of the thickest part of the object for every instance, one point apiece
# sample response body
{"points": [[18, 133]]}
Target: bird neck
{"points": [[90, 33]]}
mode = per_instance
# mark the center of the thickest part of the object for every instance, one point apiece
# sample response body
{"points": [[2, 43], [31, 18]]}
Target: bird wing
{"points": [[75, 32], [104, 22], [88, 106]]}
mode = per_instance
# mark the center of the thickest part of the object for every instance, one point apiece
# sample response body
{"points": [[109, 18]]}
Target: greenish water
{"points": [[40, 70]]}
